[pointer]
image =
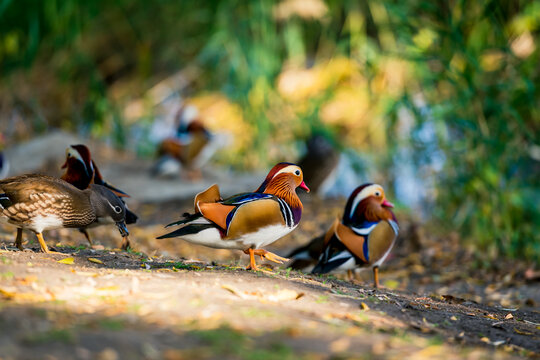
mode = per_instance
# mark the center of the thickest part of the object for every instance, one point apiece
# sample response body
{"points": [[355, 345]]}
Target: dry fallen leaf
{"points": [[67, 261], [28, 280], [94, 260], [491, 316], [281, 295], [509, 316], [453, 318], [364, 306], [522, 332], [232, 290]]}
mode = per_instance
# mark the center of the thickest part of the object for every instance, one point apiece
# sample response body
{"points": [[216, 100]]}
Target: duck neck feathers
{"points": [[282, 187]]}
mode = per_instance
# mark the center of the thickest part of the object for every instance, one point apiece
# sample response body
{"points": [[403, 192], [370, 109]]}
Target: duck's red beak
{"points": [[387, 203], [303, 186], [65, 165]]}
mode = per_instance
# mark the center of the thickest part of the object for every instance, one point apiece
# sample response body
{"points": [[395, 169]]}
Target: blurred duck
{"points": [[363, 238], [4, 163], [39, 203], [247, 221], [319, 162], [82, 171], [192, 146]]}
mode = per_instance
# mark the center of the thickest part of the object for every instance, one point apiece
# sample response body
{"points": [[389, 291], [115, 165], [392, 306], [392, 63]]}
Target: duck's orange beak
{"points": [[387, 203], [303, 186]]}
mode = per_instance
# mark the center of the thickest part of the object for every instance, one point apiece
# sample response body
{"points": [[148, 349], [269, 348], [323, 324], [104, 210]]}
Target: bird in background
{"points": [[319, 162], [247, 221], [38, 203], [81, 171], [363, 238], [4, 163], [192, 145]]}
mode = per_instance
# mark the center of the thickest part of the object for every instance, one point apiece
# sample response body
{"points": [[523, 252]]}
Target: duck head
{"points": [[79, 164], [283, 175], [108, 207], [367, 203], [282, 182]]}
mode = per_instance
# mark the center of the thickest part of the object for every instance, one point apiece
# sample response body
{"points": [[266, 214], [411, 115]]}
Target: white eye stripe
{"points": [[289, 169], [116, 209], [368, 191], [74, 153]]}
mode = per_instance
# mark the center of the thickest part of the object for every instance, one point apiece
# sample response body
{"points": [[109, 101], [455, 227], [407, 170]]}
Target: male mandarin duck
{"points": [[39, 203], [247, 221], [82, 171], [363, 238], [192, 146]]}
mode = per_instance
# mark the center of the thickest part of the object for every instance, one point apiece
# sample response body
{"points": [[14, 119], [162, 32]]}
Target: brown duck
{"points": [[363, 238], [81, 172], [39, 203]]}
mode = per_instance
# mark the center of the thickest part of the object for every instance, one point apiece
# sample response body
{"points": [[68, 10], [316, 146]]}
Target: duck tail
{"points": [[187, 230], [187, 218]]}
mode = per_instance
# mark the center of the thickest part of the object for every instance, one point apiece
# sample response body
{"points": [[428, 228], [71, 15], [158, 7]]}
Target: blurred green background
{"points": [[451, 87]]}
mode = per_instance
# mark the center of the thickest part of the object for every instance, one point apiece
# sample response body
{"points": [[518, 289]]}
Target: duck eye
{"points": [[377, 193], [117, 209], [297, 172]]}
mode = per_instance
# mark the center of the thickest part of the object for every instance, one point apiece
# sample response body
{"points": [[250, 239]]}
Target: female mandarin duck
{"points": [[247, 221], [39, 203], [364, 237], [81, 172]]}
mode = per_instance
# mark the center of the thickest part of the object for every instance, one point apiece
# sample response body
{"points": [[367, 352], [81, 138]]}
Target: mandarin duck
{"points": [[363, 238], [40, 202], [82, 171], [247, 221], [319, 162], [192, 147], [4, 163]]}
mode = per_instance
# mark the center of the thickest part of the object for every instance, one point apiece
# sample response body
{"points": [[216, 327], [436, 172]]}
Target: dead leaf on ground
{"points": [[12, 294], [28, 280], [67, 261], [280, 295], [96, 261], [523, 332]]}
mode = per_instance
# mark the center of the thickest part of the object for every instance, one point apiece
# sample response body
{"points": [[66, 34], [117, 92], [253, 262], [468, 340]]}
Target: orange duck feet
{"points": [[264, 255]]}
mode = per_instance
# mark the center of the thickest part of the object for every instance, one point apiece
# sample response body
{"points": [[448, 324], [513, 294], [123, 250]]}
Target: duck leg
{"points": [[252, 264], [125, 243], [376, 277], [42, 243], [87, 236], [270, 256], [18, 240]]}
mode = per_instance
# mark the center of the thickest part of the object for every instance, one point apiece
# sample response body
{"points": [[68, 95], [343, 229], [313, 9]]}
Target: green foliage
{"points": [[483, 94]]}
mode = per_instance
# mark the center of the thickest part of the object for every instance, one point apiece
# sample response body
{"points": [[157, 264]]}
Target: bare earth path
{"points": [[110, 304]]}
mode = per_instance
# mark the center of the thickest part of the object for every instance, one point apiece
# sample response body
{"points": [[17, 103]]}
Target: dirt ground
{"points": [[168, 299]]}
